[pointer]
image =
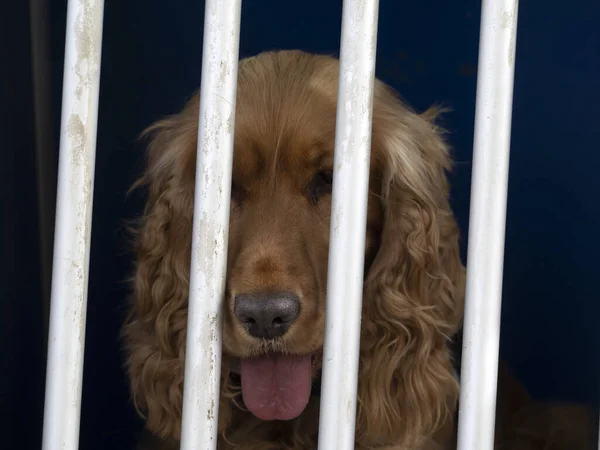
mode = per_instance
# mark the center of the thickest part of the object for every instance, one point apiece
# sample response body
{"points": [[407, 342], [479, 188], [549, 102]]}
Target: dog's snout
{"points": [[267, 315]]}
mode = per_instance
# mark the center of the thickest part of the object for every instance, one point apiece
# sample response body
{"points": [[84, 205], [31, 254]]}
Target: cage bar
{"points": [[211, 224], [79, 120], [348, 224], [493, 111]]}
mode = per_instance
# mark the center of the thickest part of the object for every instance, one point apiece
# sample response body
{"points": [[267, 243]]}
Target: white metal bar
{"points": [[79, 121], [487, 224], [348, 224], [211, 224]]}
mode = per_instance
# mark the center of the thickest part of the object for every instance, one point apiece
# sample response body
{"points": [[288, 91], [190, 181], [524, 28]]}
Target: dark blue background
{"points": [[428, 51]]}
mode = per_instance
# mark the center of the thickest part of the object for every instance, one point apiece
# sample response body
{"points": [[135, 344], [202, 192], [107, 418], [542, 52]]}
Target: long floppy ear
{"points": [[414, 290], [155, 331]]}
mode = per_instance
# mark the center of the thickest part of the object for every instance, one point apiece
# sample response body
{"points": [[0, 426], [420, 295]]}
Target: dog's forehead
{"points": [[290, 136], [296, 156]]}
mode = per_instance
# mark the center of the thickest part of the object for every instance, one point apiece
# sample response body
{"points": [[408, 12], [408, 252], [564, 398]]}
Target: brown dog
{"points": [[277, 267]]}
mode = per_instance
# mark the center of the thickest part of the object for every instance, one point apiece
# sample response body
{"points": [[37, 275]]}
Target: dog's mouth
{"points": [[276, 386]]}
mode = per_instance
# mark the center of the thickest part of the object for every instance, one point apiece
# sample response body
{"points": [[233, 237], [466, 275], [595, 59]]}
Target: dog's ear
{"points": [[415, 287], [155, 331]]}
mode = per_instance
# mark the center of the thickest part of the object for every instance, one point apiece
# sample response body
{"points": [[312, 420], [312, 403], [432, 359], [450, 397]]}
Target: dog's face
{"points": [[274, 319], [274, 314]]}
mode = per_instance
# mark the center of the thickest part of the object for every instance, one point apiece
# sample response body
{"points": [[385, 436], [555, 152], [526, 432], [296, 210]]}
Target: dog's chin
{"points": [[277, 386]]}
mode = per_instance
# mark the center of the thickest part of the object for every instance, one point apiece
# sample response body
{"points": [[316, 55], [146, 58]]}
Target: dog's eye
{"points": [[237, 193], [321, 184]]}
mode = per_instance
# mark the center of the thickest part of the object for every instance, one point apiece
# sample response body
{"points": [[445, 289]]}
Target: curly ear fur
{"points": [[414, 290], [155, 331]]}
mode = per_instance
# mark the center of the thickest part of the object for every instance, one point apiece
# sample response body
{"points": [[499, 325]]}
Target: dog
{"points": [[274, 306]]}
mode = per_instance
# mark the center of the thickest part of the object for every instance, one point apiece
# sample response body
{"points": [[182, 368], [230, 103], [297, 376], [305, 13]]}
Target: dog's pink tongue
{"points": [[276, 387]]}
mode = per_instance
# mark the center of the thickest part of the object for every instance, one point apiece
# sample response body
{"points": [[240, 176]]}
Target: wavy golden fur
{"points": [[279, 232]]}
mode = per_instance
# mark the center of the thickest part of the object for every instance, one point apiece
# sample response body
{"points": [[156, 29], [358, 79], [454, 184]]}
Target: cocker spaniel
{"points": [[277, 268]]}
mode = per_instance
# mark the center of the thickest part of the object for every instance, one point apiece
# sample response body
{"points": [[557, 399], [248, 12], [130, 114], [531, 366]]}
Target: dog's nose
{"points": [[267, 315]]}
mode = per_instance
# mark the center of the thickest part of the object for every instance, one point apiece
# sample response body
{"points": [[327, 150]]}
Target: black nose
{"points": [[267, 315]]}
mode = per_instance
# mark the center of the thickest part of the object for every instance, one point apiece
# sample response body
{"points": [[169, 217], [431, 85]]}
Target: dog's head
{"points": [[278, 256]]}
